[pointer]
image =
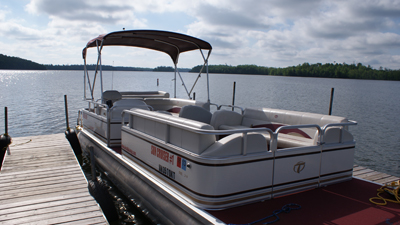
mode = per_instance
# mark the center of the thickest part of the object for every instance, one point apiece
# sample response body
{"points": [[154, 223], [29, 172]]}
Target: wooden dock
{"points": [[371, 175], [41, 182]]}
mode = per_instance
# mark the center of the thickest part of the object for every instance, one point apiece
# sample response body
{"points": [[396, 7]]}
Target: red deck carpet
{"points": [[343, 203]]}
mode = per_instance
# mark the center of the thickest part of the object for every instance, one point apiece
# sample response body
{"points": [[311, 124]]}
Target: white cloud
{"points": [[2, 15], [272, 33]]}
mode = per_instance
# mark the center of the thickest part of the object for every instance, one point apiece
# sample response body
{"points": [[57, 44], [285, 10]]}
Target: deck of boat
{"points": [[342, 203], [42, 183]]}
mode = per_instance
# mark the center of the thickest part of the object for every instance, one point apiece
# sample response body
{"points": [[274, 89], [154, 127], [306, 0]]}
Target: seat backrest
{"points": [[195, 112], [225, 117], [112, 95], [155, 124], [122, 104], [130, 102]]}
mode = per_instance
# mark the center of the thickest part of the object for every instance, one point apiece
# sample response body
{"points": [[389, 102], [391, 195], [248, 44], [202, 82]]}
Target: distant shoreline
{"points": [[328, 70]]}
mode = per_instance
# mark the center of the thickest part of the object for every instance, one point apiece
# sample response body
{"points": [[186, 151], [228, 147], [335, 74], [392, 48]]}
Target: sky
{"points": [[273, 33]]}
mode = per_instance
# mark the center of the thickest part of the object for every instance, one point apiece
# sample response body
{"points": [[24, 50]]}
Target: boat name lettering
{"points": [[167, 172], [162, 154]]}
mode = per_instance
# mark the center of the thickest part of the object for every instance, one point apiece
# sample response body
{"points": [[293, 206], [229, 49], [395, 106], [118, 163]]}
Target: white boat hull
{"points": [[155, 197]]}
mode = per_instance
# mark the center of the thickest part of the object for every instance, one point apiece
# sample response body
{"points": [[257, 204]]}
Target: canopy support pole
{"points": [[101, 70], [183, 82], [86, 76], [208, 84], [176, 68]]}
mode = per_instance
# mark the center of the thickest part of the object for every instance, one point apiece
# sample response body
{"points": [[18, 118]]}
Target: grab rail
{"points": [[216, 105], [232, 106], [342, 125], [301, 126], [95, 103], [350, 123]]}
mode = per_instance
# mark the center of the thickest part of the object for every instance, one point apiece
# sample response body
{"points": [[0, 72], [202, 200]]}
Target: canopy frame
{"points": [[170, 43]]}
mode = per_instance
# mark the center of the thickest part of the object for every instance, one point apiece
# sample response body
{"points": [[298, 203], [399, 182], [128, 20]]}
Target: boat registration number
{"points": [[167, 172]]}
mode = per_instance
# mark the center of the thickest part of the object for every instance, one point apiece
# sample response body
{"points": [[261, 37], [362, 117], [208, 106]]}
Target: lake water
{"points": [[35, 101]]}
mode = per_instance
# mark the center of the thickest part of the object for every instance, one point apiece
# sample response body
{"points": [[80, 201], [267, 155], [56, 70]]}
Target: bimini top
{"points": [[169, 42]]}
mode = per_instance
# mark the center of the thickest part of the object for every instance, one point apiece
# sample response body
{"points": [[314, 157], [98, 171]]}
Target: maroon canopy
{"points": [[169, 42]]}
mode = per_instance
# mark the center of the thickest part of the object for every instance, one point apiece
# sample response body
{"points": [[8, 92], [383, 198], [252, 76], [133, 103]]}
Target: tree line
{"points": [[16, 63], [93, 67], [10, 62], [328, 70]]}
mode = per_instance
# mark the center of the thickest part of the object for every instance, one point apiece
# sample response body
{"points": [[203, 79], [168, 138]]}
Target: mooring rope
{"points": [[393, 190], [21, 143]]}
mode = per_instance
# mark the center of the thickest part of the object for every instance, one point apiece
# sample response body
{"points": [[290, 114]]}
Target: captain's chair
{"points": [[112, 95]]}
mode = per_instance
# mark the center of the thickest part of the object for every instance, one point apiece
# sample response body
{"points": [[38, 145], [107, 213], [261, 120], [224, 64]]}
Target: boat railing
{"points": [[214, 104], [169, 123], [341, 125], [95, 103], [319, 129], [273, 142], [231, 106]]}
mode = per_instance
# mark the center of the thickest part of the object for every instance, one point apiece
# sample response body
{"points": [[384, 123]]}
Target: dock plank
{"points": [[42, 183], [387, 180], [371, 175], [363, 171]]}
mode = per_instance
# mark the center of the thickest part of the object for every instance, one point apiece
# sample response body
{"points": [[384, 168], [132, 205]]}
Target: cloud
{"points": [[318, 31], [84, 11], [376, 8], [272, 33], [2, 15], [19, 32]]}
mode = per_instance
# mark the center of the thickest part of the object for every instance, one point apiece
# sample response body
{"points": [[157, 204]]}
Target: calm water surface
{"points": [[35, 101]]}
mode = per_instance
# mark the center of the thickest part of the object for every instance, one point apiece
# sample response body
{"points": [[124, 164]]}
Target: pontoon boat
{"points": [[180, 159]]}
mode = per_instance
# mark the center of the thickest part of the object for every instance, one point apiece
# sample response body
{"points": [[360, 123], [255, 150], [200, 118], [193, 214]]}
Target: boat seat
{"points": [[154, 123], [226, 120], [112, 95], [122, 104], [173, 105], [195, 112]]}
